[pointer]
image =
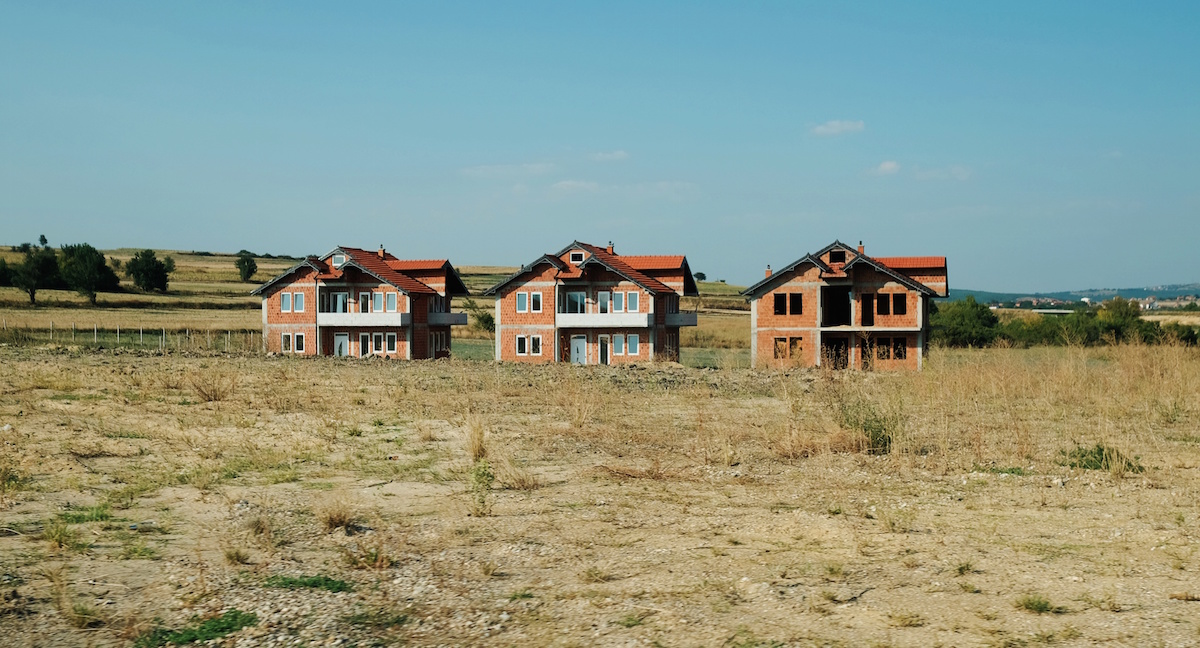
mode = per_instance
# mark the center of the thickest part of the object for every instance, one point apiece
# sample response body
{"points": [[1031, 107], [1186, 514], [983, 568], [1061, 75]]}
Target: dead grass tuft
{"points": [[212, 385]]}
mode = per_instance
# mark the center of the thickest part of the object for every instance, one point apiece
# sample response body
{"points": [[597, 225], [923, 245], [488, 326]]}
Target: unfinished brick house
{"points": [[840, 307], [588, 305], [353, 302]]}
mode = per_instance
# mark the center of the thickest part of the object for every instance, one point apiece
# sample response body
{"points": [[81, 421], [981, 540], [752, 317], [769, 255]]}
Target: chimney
{"points": [[860, 247], [768, 272], [609, 248], [381, 252]]}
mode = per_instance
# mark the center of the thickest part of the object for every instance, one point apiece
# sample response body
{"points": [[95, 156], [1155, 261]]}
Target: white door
{"points": [[579, 350], [341, 344]]}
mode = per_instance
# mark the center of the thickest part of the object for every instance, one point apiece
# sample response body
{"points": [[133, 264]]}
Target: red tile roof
{"points": [[616, 262], [655, 262], [913, 262], [403, 265], [380, 267]]}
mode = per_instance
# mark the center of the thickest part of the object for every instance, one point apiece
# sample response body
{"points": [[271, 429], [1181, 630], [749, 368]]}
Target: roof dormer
{"points": [[577, 257], [338, 260]]}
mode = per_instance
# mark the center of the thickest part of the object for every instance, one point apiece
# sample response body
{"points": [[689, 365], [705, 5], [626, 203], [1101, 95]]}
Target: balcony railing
{"points": [[447, 319], [364, 319], [681, 319], [600, 320]]}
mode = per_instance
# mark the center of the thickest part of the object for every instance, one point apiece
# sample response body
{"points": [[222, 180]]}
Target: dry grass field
{"points": [[149, 500]]}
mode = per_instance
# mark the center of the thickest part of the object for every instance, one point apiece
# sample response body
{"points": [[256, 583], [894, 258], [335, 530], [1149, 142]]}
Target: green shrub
{"points": [[1100, 457], [205, 630]]}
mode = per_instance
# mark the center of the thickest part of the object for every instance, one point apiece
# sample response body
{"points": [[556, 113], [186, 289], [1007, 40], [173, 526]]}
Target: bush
{"points": [[1101, 457], [246, 265], [964, 323], [148, 271]]}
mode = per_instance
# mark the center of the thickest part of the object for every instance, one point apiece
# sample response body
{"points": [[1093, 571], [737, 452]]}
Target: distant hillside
{"points": [[1095, 294]]}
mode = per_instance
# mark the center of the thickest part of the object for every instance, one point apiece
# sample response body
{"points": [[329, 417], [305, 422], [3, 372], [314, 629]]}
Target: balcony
{"points": [[681, 319], [447, 319], [603, 320], [391, 320]]}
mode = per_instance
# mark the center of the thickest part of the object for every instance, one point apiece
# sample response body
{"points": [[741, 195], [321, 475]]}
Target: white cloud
{"points": [[609, 156], [954, 172], [888, 167], [509, 170], [575, 185], [838, 127]]}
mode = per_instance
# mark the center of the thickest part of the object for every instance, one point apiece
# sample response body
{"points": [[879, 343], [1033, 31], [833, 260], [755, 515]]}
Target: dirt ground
{"points": [[657, 505]]}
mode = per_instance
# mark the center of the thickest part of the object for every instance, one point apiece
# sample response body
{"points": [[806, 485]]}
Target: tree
{"points": [[484, 320], [699, 276], [246, 265], [148, 271], [964, 323], [85, 271], [39, 270], [5, 273]]}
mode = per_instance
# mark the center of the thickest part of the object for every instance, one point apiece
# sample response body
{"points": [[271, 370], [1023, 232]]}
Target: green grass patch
{"points": [[520, 595], [308, 582], [201, 630], [97, 513], [1037, 604], [1100, 457]]}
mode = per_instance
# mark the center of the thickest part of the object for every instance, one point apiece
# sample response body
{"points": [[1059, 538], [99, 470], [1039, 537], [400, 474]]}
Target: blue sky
{"points": [[1039, 146]]}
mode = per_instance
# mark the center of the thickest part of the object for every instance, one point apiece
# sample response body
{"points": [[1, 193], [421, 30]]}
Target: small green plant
{"points": [[97, 513], [309, 582], [630, 620], [1037, 604], [1101, 457], [520, 595], [202, 630], [964, 568], [481, 480], [62, 536], [12, 480]]}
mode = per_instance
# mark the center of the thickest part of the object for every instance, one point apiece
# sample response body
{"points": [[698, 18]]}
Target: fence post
{"points": [[95, 334], [226, 341], [162, 344], [118, 334], [51, 331], [140, 337], [72, 331]]}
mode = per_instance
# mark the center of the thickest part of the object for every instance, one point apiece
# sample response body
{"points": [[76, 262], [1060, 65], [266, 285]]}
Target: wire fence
{"points": [[151, 339]]}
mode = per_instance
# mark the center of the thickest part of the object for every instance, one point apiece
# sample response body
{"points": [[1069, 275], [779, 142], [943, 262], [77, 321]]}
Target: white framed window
{"points": [[618, 343], [299, 345], [631, 301], [364, 302], [298, 302], [521, 345], [391, 342], [285, 302], [535, 345], [576, 258], [522, 302], [618, 305], [633, 345], [378, 348], [576, 302], [535, 302], [339, 260], [285, 344], [377, 302], [391, 302], [602, 301], [341, 303]]}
